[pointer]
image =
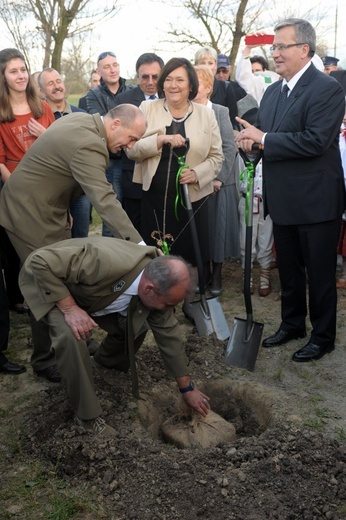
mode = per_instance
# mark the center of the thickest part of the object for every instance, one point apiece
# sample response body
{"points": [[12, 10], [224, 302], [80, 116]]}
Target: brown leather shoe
{"points": [[265, 285], [264, 291]]}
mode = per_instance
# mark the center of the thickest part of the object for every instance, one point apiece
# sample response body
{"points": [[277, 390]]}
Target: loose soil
{"points": [[288, 460]]}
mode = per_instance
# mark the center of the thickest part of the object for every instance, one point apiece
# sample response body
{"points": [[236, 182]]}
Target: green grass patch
{"points": [[32, 492], [95, 226], [74, 98]]}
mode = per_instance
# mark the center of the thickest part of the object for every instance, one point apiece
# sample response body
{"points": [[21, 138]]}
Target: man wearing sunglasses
{"points": [[148, 68], [298, 127], [102, 99]]}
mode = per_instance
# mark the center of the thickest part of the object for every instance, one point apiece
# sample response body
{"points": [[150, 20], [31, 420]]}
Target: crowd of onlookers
{"points": [[184, 143]]}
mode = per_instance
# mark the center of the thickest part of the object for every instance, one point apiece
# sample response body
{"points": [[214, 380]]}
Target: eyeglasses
{"points": [[146, 77], [103, 55], [283, 47]]}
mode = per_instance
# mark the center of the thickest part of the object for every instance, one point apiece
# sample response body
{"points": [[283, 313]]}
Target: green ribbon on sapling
{"points": [[165, 248], [250, 169], [178, 198]]}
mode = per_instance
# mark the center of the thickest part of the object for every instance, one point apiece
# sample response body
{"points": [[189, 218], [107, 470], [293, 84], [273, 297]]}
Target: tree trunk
{"points": [[238, 32]]}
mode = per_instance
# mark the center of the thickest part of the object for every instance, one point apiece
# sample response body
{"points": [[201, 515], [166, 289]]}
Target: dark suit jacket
{"points": [[96, 271], [302, 171], [223, 94], [340, 76], [82, 103]]}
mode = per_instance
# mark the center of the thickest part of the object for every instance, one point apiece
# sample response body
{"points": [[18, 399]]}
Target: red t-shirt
{"points": [[15, 139]]}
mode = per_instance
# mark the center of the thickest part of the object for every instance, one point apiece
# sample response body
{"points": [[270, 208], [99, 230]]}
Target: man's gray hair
{"points": [[126, 113], [304, 32], [46, 69], [163, 273]]}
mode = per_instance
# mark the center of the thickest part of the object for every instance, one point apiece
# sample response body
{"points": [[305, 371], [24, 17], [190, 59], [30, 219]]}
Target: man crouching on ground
{"points": [[79, 284]]}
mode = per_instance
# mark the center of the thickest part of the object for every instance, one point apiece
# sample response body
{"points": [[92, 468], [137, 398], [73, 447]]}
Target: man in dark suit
{"points": [[303, 185], [148, 68], [132, 289]]}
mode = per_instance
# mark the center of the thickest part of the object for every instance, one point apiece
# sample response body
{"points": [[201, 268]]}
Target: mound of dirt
{"points": [[287, 462]]}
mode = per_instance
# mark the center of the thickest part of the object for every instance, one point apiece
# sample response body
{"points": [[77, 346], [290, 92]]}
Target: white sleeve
{"points": [[253, 85]]}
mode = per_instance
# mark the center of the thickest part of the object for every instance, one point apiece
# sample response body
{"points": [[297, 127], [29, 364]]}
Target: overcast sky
{"points": [[141, 26]]}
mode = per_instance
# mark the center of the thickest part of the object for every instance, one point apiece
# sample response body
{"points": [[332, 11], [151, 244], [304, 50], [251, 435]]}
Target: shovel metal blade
{"points": [[243, 344], [209, 318]]}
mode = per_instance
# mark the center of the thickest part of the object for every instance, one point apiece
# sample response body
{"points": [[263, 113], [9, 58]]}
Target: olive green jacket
{"points": [[69, 158], [96, 271]]}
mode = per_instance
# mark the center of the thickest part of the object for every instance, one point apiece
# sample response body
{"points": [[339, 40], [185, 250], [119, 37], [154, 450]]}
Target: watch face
{"points": [[187, 388]]}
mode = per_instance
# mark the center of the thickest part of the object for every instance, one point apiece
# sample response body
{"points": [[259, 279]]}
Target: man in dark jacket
{"points": [[99, 101], [93, 83], [148, 68]]}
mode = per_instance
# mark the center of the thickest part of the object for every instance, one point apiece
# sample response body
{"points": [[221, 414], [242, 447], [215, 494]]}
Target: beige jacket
{"points": [[205, 154]]}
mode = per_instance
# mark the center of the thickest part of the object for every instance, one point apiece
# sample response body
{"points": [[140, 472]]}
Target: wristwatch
{"points": [[187, 388]]}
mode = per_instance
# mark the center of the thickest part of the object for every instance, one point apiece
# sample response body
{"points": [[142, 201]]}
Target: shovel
{"points": [[207, 313], [245, 338]]}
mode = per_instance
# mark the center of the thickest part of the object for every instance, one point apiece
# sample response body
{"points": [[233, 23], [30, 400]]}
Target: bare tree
{"points": [[222, 24], [51, 23]]}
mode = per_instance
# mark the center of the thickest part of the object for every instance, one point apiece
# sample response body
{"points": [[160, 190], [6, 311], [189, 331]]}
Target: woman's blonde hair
{"points": [[206, 75], [205, 52]]}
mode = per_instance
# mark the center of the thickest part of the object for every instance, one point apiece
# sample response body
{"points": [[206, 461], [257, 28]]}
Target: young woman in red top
{"points": [[23, 118], [23, 115]]}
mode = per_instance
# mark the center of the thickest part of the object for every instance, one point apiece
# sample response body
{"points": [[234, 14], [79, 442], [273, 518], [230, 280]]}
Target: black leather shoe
{"points": [[282, 336], [311, 352], [51, 373], [12, 368]]}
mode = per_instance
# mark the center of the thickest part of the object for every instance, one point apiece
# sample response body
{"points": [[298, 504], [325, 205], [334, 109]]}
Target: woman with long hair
{"points": [[23, 115], [23, 118]]}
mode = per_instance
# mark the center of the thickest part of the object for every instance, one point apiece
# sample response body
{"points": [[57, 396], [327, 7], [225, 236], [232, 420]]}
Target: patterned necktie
{"points": [[282, 102], [153, 96]]}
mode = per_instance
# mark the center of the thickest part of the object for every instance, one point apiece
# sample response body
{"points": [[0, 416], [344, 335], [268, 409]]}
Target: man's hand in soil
{"points": [[78, 320], [198, 401]]}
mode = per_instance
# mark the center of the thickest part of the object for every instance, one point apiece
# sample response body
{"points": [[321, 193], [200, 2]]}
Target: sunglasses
{"points": [[146, 77], [103, 55]]}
